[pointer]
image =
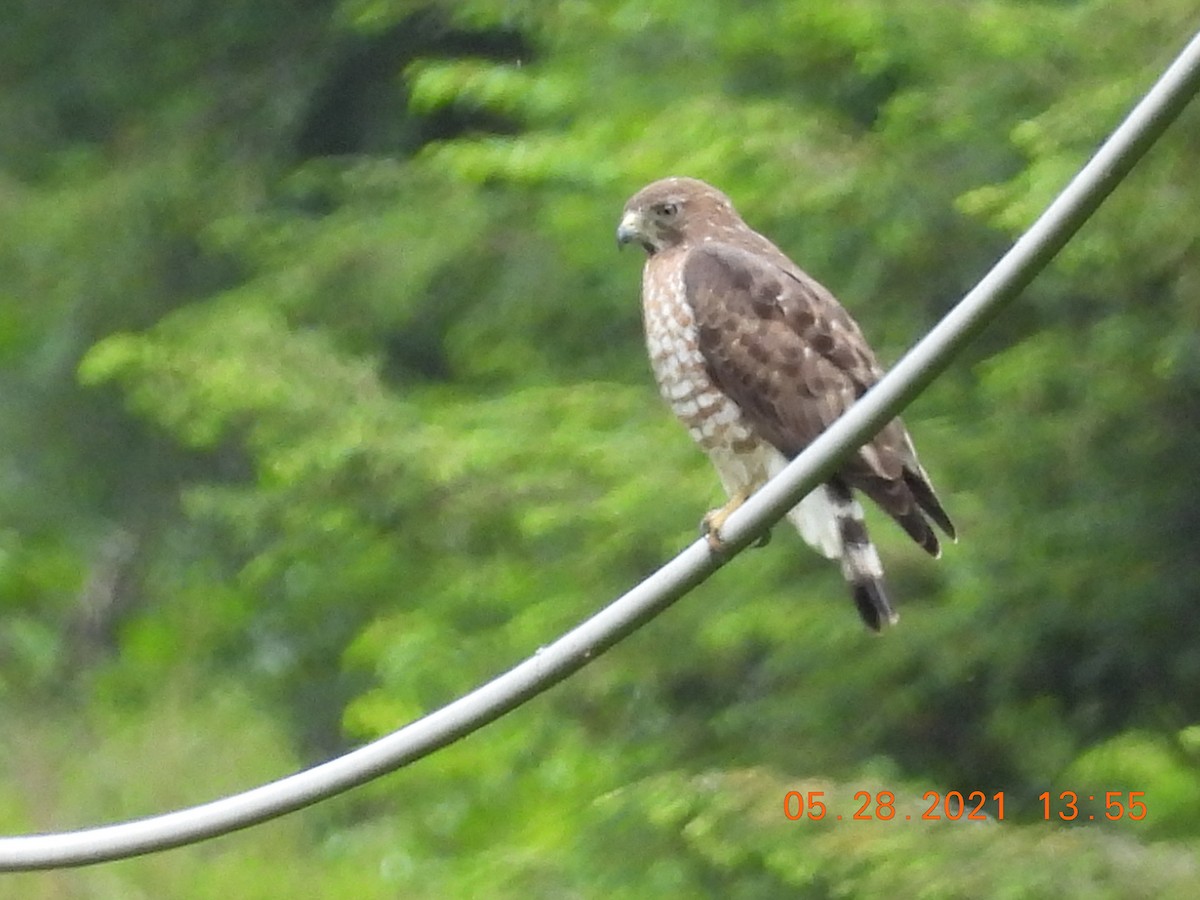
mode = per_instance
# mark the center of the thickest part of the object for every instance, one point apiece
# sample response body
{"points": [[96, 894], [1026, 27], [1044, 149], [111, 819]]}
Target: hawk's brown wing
{"points": [[786, 352]]}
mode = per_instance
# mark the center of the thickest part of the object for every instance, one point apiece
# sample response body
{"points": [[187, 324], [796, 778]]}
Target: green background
{"points": [[323, 399]]}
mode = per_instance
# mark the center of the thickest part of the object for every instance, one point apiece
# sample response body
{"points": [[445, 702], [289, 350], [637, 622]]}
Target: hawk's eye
{"points": [[667, 210]]}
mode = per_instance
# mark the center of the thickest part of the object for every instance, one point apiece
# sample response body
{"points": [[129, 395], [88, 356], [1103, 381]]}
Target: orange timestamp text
{"points": [[1069, 807], [970, 806]]}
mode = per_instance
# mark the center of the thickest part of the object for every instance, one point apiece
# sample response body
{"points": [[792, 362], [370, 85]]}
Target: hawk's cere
{"points": [[756, 359]]}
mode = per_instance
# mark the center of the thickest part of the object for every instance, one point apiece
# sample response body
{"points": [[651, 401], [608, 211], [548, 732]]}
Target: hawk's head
{"points": [[675, 211]]}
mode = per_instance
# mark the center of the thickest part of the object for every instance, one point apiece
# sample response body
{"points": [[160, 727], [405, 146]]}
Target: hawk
{"points": [[756, 359]]}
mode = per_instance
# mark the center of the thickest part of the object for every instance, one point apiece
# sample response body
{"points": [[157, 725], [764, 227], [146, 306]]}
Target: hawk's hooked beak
{"points": [[629, 230]]}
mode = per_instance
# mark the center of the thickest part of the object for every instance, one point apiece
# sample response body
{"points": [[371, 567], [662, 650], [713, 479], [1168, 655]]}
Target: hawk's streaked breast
{"points": [[713, 420]]}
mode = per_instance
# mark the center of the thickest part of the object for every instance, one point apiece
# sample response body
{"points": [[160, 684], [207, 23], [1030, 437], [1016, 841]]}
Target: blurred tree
{"points": [[318, 376]]}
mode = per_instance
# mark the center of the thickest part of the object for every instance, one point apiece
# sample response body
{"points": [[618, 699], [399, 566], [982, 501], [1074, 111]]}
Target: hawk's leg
{"points": [[710, 525]]}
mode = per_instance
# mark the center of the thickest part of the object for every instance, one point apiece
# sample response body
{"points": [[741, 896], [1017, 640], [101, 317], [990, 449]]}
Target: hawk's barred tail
{"points": [[860, 562]]}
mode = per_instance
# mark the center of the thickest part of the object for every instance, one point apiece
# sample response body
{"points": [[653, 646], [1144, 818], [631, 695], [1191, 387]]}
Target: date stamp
{"points": [[971, 806]]}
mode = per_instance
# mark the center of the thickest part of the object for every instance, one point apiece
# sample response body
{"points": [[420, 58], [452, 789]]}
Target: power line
{"points": [[1031, 253]]}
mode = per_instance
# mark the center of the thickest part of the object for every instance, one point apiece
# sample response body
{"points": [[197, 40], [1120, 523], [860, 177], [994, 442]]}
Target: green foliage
{"points": [[320, 377], [732, 823]]}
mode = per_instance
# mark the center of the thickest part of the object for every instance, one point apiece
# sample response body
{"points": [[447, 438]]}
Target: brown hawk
{"points": [[756, 359]]}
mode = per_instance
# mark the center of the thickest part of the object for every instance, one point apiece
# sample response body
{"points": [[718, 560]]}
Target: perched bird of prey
{"points": [[756, 359]]}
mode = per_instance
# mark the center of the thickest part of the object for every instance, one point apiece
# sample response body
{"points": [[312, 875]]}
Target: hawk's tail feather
{"points": [[922, 491], [873, 604], [900, 501], [860, 562]]}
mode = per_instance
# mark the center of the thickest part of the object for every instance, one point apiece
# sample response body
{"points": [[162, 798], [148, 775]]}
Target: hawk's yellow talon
{"points": [[714, 519]]}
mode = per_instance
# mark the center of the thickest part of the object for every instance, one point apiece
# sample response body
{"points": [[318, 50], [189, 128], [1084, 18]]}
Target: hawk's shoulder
{"points": [[765, 286], [775, 340]]}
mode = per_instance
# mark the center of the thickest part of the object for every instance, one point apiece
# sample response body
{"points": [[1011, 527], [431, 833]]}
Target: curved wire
{"points": [[575, 649]]}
